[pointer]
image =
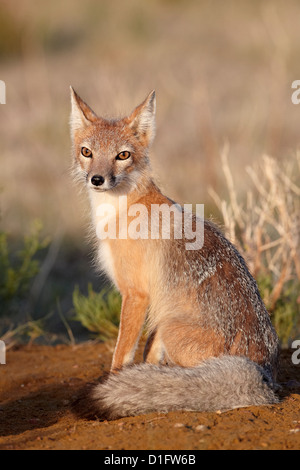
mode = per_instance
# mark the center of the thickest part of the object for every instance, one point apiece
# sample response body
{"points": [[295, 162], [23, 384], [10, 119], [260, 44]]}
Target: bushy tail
{"points": [[220, 383]]}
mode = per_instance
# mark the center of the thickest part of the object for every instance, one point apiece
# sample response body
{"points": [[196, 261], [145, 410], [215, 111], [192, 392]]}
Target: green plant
{"points": [[98, 312], [285, 312], [18, 270]]}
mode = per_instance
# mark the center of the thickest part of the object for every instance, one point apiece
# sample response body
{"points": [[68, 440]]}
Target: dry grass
{"points": [[265, 227]]}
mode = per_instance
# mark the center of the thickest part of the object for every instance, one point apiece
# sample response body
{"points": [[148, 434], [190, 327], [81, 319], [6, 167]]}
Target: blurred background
{"points": [[222, 72]]}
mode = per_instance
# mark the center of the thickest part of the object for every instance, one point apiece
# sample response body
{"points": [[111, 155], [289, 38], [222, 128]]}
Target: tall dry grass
{"points": [[265, 226]]}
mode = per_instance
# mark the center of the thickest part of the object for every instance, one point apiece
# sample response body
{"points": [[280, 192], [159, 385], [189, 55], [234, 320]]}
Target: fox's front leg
{"points": [[133, 312]]}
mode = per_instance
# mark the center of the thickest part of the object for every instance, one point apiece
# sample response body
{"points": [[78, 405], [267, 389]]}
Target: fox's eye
{"points": [[86, 152], [123, 155]]}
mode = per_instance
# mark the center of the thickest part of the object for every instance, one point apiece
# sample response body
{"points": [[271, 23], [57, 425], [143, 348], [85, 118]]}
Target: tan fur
{"points": [[197, 304]]}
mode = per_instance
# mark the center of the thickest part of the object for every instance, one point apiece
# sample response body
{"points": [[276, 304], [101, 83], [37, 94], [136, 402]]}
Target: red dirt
{"points": [[39, 383]]}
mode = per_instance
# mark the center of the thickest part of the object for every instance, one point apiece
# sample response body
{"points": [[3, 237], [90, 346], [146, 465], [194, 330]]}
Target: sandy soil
{"points": [[39, 383]]}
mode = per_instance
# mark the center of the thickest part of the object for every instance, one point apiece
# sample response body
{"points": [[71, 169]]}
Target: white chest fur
{"points": [[105, 260], [105, 208]]}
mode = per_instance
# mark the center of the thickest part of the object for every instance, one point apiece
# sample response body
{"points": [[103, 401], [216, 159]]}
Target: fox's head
{"points": [[111, 155]]}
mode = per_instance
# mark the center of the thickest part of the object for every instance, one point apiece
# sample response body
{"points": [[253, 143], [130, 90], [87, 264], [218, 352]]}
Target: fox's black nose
{"points": [[97, 180]]}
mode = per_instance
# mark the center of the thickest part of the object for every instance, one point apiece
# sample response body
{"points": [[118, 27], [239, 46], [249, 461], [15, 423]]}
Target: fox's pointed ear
{"points": [[81, 114], [142, 119]]}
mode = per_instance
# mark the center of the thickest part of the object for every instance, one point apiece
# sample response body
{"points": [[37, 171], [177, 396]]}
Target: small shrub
{"points": [[98, 312], [285, 313], [17, 273], [18, 270]]}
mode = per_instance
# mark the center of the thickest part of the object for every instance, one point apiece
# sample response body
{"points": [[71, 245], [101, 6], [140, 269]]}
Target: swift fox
{"points": [[211, 344]]}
